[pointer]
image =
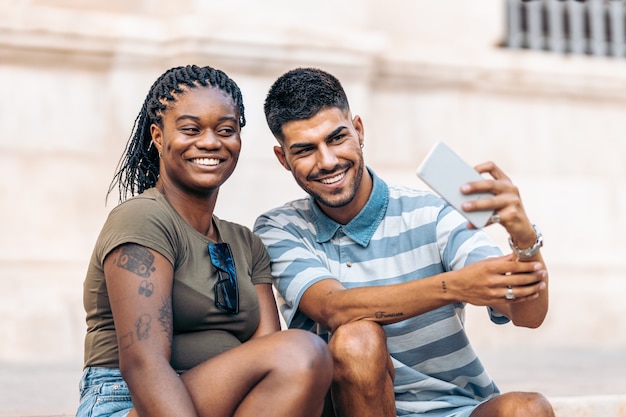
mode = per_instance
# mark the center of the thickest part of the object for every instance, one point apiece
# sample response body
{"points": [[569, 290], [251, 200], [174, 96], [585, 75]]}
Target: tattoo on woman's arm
{"points": [[143, 326], [126, 340], [146, 288], [136, 259], [165, 317]]}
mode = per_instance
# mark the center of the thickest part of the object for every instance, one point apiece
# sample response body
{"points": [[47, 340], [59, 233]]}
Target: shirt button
{"points": [[349, 264]]}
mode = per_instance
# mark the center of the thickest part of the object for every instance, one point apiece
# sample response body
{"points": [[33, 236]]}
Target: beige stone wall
{"points": [[73, 75]]}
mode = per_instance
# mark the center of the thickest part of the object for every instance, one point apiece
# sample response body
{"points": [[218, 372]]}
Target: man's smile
{"points": [[333, 179]]}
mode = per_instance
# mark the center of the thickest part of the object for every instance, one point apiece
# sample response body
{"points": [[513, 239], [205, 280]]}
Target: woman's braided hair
{"points": [[138, 168]]}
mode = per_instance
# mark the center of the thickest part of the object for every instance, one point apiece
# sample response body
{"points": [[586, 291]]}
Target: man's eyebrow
{"points": [[299, 146], [335, 132], [328, 137]]}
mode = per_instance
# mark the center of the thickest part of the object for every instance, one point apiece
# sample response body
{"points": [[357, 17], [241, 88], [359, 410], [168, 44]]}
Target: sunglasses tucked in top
{"points": [[226, 289]]}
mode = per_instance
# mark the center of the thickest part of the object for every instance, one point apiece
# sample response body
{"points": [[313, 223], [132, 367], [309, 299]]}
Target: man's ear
{"points": [[280, 155], [157, 136], [357, 122]]}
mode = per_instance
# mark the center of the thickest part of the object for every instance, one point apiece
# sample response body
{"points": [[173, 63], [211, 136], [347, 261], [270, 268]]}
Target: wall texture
{"points": [[73, 75]]}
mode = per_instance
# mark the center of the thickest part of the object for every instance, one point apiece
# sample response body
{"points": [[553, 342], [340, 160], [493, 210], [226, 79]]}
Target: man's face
{"points": [[324, 155]]}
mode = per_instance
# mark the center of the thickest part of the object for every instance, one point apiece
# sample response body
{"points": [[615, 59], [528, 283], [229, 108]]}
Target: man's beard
{"points": [[346, 199]]}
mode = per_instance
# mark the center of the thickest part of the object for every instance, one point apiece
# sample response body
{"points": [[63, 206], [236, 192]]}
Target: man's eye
{"points": [[302, 151]]}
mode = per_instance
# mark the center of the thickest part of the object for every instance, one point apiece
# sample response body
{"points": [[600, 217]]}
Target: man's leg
{"points": [[515, 404], [363, 372]]}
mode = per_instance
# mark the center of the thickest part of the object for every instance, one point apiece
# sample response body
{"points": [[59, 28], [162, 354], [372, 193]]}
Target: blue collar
{"points": [[362, 227]]}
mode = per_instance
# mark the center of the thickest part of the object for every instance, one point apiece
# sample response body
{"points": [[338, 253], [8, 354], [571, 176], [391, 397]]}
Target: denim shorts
{"points": [[103, 393]]}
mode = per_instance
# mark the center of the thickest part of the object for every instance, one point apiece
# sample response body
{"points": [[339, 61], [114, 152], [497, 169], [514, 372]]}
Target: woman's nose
{"points": [[209, 140]]}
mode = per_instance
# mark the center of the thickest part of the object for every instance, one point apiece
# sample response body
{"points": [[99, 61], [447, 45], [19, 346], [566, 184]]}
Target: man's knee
{"points": [[359, 349], [359, 339], [537, 405], [515, 404]]}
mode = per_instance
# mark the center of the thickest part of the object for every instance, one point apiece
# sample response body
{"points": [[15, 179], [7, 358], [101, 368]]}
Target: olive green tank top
{"points": [[201, 331]]}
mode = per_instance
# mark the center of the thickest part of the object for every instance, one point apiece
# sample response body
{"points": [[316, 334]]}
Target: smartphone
{"points": [[445, 172]]}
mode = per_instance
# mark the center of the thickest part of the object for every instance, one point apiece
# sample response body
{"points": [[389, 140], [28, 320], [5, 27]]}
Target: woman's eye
{"points": [[189, 130], [226, 131]]}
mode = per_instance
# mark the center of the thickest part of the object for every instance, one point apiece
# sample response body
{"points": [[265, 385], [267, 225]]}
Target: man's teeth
{"points": [[334, 179], [206, 161]]}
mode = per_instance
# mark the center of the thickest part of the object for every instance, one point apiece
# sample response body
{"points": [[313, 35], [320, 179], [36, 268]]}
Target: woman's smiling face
{"points": [[199, 140]]}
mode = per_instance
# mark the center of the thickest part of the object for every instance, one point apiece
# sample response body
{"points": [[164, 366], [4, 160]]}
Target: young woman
{"points": [[180, 311]]}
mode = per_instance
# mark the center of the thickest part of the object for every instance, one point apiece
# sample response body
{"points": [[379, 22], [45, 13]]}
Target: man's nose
{"points": [[326, 158]]}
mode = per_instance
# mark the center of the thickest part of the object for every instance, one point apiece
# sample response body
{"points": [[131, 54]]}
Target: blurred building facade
{"points": [[74, 74]]}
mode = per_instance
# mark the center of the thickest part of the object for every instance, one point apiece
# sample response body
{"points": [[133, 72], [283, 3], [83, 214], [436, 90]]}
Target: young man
{"points": [[385, 272]]}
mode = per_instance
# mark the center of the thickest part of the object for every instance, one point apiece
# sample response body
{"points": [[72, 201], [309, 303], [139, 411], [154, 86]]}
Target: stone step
{"points": [[591, 406], [585, 406]]}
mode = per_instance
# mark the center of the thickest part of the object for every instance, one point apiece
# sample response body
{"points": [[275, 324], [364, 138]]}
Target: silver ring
{"points": [[509, 294], [495, 218]]}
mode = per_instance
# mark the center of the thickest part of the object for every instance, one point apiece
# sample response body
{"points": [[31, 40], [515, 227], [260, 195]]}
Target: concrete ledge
{"points": [[591, 406]]}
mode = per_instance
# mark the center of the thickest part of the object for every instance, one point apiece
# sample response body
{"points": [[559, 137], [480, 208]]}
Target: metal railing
{"points": [[594, 27]]}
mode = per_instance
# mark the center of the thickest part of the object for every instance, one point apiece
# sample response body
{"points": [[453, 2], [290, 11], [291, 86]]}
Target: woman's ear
{"points": [[157, 137]]}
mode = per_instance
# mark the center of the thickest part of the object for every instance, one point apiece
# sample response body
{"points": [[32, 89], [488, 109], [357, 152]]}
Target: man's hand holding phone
{"points": [[448, 175]]}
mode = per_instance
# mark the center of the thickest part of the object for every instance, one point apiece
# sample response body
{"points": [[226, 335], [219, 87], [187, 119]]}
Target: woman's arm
{"points": [[139, 284], [269, 321]]}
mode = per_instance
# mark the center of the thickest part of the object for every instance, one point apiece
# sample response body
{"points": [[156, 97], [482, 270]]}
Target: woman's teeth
{"points": [[206, 161]]}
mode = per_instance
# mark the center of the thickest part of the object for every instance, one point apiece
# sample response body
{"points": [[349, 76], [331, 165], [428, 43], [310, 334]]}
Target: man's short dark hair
{"points": [[299, 95]]}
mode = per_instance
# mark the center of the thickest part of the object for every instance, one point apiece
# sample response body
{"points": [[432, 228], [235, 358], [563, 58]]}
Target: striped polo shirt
{"points": [[400, 235]]}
